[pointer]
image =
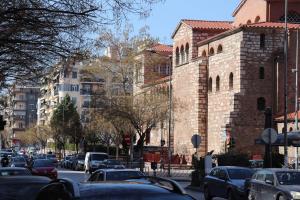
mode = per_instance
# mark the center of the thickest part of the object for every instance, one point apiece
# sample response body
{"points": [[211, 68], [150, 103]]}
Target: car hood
{"points": [[289, 188], [238, 182]]}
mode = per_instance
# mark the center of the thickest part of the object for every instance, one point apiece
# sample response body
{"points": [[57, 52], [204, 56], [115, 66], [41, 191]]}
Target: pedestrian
{"points": [[5, 161]]}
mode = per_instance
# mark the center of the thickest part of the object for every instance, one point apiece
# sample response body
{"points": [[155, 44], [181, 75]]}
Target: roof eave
{"points": [[177, 27], [238, 7]]}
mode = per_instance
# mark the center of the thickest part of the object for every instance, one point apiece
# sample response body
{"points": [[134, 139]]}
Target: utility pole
{"points": [[296, 96], [285, 85], [170, 118]]}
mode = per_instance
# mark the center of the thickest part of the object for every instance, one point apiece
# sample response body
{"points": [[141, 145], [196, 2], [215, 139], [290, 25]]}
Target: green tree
{"points": [[65, 123]]}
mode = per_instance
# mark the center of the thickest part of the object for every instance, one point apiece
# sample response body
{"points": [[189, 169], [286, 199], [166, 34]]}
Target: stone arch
{"points": [[182, 54], [217, 83], [231, 81], [187, 52], [257, 19], [204, 53], [220, 48], [210, 84], [211, 51], [177, 56]]}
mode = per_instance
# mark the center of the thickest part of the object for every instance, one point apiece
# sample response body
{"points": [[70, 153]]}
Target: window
{"points": [[182, 55], [220, 48], [203, 53], [262, 40], [257, 19], [261, 73], [74, 74], [217, 83], [261, 104], [211, 51], [210, 85], [231, 81], [177, 56], [74, 87], [187, 52], [20, 125]]}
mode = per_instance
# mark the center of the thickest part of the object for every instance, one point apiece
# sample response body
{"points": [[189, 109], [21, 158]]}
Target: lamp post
{"points": [[285, 84], [170, 117]]}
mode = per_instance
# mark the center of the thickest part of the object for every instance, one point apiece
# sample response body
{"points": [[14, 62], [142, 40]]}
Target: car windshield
{"points": [[122, 175], [239, 173], [19, 172], [19, 159], [288, 178], [81, 157], [43, 163], [51, 156], [98, 157], [113, 162]]}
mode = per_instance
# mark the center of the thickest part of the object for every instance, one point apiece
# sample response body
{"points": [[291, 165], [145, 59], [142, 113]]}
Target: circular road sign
{"points": [[196, 140], [269, 135]]}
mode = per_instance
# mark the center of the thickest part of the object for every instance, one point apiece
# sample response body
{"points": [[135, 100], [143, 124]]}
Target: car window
{"points": [[269, 176], [101, 176], [15, 172], [18, 159], [288, 178], [122, 175], [214, 172], [222, 174], [94, 177], [43, 163], [239, 173], [260, 176], [99, 157]]}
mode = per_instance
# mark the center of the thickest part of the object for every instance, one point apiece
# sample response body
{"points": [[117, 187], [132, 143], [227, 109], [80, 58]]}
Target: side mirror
{"points": [[269, 182]]}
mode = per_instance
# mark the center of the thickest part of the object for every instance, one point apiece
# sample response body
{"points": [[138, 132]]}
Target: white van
{"points": [[93, 160]]}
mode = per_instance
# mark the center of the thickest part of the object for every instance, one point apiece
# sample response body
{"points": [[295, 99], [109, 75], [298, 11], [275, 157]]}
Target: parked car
{"points": [[93, 161], [112, 164], [18, 162], [279, 184], [53, 158], [69, 162], [115, 175], [44, 167], [14, 171], [227, 182], [64, 161], [78, 162], [21, 187], [156, 189]]}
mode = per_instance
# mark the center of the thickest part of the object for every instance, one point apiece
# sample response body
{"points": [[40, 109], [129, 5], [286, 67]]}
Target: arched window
{"points": [[220, 49], [262, 40], [182, 57], [249, 21], [203, 53], [187, 52], [231, 81], [261, 104], [210, 85], [177, 56], [257, 19], [211, 51], [217, 83], [261, 73]]}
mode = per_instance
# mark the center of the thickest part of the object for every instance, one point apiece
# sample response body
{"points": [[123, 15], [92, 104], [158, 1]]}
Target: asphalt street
{"points": [[80, 176]]}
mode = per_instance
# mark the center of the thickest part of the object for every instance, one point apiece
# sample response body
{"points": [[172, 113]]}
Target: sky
{"points": [[165, 16]]}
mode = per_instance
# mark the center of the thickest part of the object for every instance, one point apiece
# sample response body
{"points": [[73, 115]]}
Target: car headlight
{"points": [[295, 195]]}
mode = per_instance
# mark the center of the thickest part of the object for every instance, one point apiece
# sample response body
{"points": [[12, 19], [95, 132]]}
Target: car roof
{"points": [[279, 170], [118, 170], [97, 153], [233, 167], [12, 168], [24, 179]]}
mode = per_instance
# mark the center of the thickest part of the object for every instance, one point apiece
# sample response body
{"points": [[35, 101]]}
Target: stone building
{"points": [[226, 73]]}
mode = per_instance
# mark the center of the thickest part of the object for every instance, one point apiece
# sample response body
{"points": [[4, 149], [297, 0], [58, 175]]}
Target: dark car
{"points": [[115, 175], [44, 167], [78, 162], [18, 162], [279, 184], [53, 158], [21, 187], [227, 182], [14, 171], [69, 162], [160, 189]]}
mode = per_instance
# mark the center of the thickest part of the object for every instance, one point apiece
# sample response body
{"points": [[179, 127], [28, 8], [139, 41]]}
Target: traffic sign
{"points": [[269, 135], [196, 140]]}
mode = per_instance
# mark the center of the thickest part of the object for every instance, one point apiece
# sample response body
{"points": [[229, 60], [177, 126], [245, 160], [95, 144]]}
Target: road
{"points": [[80, 176]]}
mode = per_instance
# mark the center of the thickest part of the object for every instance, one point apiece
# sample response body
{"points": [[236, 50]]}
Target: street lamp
{"points": [[170, 117]]}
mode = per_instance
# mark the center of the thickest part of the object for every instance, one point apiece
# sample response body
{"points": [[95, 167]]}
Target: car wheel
{"points": [[281, 197], [230, 195], [250, 196], [207, 196]]}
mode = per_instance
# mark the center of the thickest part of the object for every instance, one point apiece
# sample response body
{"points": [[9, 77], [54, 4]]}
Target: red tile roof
{"points": [[202, 24], [162, 48], [272, 25]]}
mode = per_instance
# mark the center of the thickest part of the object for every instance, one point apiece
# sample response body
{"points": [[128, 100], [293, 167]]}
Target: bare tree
{"points": [[35, 33]]}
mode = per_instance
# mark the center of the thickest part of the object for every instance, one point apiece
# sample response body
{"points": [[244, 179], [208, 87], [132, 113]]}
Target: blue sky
{"points": [[165, 16]]}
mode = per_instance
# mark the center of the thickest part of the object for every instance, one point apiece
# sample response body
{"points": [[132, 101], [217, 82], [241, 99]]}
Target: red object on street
{"points": [[43, 167]]}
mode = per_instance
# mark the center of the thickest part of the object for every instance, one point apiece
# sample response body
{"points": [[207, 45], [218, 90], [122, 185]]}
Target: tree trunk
{"points": [[142, 157], [94, 146], [117, 151], [107, 148]]}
